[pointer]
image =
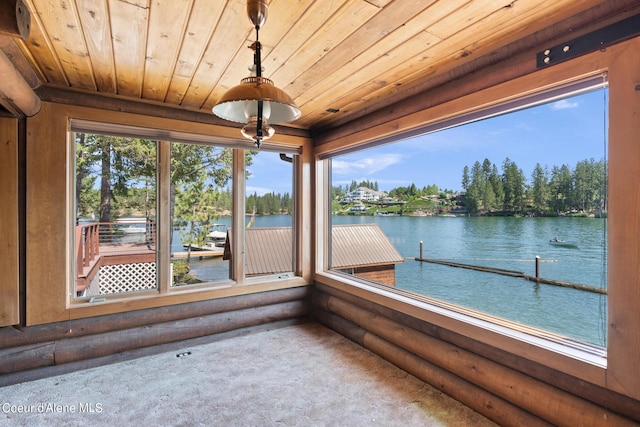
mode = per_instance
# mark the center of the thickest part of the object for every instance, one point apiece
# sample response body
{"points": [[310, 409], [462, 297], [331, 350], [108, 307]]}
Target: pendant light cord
{"points": [[258, 63]]}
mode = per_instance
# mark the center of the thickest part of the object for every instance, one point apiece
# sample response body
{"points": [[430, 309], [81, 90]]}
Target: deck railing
{"points": [[89, 238]]}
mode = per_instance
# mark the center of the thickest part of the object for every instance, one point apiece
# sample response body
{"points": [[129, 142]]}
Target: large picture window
{"points": [[153, 216], [502, 212]]}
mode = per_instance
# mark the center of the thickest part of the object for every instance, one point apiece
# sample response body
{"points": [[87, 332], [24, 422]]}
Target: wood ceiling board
{"points": [[373, 37], [96, 27], [406, 39], [355, 55], [227, 40], [38, 50], [66, 41], [200, 28], [465, 16], [312, 15], [374, 91], [129, 22], [167, 23], [336, 29], [273, 34], [341, 98], [461, 47]]}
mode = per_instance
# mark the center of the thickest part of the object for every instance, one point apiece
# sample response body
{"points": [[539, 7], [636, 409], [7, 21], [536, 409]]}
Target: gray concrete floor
{"points": [[304, 375]]}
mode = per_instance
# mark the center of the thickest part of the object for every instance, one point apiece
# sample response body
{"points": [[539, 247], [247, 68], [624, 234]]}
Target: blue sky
{"points": [[561, 132], [268, 173]]}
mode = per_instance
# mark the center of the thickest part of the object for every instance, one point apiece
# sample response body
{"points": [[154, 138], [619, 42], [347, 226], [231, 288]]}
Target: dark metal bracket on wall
{"points": [[614, 33]]}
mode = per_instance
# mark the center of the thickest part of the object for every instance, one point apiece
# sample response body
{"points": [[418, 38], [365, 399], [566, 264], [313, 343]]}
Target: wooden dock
{"points": [[518, 274], [198, 254]]}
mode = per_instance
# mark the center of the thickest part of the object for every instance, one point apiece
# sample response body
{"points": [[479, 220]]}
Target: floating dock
{"points": [[514, 273], [198, 254]]}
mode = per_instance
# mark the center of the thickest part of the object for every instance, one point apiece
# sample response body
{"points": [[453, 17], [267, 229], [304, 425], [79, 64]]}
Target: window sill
{"points": [[123, 303]]}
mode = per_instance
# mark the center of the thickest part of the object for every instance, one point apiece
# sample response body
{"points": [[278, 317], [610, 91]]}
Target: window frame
{"points": [[50, 196], [163, 172], [614, 369]]}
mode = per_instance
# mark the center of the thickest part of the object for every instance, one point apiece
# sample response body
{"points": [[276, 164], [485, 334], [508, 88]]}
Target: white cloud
{"points": [[563, 104], [260, 191], [367, 165]]}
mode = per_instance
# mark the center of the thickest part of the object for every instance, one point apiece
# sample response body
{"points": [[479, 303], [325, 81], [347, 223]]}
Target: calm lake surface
{"points": [[508, 243]]}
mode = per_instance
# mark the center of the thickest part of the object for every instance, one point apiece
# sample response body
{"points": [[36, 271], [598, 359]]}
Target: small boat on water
{"points": [[216, 237], [563, 243], [132, 225]]}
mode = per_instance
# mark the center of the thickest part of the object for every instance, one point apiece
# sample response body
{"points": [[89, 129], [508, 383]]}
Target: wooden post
{"points": [[537, 266], [15, 93], [421, 244], [15, 19]]}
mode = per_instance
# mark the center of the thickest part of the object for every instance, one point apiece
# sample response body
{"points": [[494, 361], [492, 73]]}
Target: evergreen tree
{"points": [[540, 189], [561, 185], [514, 186], [497, 187], [476, 188], [465, 178]]}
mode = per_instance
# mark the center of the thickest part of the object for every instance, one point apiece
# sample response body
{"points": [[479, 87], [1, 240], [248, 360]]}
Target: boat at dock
{"points": [[132, 225], [216, 238]]}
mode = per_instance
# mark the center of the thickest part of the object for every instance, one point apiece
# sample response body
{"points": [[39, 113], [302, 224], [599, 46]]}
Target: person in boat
{"points": [[555, 239]]}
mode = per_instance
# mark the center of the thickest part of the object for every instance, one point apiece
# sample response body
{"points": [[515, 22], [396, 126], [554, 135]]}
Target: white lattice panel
{"points": [[117, 279]]}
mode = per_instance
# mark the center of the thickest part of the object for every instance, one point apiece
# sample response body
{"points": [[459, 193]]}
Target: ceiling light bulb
{"points": [[251, 109]]}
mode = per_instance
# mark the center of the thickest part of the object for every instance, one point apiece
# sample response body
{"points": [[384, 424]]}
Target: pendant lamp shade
{"points": [[237, 102], [256, 101]]}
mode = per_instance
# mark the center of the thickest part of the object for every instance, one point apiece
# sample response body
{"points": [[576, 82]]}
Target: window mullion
{"points": [[163, 226], [238, 232]]}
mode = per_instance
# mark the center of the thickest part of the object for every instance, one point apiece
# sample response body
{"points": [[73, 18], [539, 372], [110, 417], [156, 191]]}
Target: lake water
{"points": [[501, 242]]}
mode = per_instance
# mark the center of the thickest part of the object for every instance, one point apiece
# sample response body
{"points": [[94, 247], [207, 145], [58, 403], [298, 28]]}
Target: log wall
{"points": [[32, 352], [510, 391]]}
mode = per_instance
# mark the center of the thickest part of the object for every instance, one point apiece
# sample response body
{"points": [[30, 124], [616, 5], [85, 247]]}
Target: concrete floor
{"points": [[304, 375]]}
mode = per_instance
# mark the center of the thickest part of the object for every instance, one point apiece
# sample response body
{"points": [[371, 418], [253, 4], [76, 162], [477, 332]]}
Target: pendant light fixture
{"points": [[256, 101]]}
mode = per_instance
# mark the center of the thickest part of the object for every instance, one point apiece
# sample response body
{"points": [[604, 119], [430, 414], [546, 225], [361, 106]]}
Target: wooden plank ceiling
{"points": [[328, 55]]}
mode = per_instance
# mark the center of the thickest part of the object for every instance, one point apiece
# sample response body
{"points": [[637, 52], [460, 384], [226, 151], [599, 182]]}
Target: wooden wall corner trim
{"points": [[9, 223]]}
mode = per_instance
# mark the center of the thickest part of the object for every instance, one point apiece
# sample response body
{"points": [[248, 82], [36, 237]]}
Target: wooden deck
{"points": [[112, 254]]}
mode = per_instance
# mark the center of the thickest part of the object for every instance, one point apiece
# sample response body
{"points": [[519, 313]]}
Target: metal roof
{"points": [[269, 250], [356, 245]]}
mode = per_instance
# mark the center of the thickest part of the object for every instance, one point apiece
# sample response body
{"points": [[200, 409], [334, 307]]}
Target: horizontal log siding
{"points": [[508, 390], [60, 343]]}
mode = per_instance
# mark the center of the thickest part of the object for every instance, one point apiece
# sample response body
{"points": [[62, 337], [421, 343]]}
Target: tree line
{"points": [[116, 176], [560, 190]]}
